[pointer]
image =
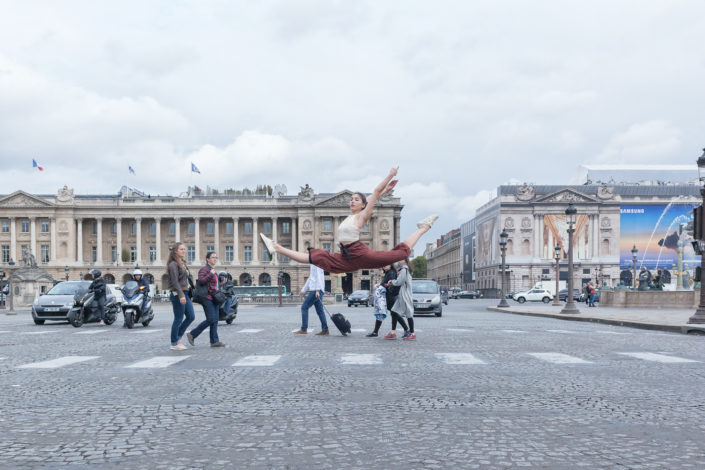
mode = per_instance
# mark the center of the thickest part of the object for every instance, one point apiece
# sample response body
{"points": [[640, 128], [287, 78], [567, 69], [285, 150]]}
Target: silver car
{"points": [[56, 303], [426, 295]]}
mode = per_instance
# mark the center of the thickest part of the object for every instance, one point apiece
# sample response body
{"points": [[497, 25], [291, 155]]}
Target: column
{"points": [[138, 236], [539, 235], [158, 222], [13, 239], [118, 224], [255, 240], [236, 237], [216, 235], [274, 237], [177, 228], [197, 229], [99, 248], [334, 222], [79, 241], [596, 236], [53, 247], [294, 233], [535, 254], [33, 237]]}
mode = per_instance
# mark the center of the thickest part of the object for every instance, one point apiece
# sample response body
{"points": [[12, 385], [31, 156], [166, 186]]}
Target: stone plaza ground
{"points": [[477, 389]]}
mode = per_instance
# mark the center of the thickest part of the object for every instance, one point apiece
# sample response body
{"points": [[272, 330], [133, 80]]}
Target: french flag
{"points": [[195, 169], [34, 165]]}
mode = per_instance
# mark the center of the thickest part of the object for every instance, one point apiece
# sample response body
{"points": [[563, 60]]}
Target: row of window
{"points": [[43, 256], [24, 226]]}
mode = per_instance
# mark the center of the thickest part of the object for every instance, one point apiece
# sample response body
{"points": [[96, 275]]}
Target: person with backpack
{"points": [[98, 288], [208, 277], [390, 296]]}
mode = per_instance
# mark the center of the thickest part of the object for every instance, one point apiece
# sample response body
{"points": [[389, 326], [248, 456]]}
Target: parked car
{"points": [[56, 303], [426, 295], [444, 295], [468, 294], [563, 295], [534, 295], [453, 294], [359, 297], [114, 290]]}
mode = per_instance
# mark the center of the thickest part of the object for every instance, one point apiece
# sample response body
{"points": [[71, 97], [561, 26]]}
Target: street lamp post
{"points": [[503, 247], [2, 289], [66, 271], [699, 316], [557, 252], [280, 279], [10, 295], [635, 252], [570, 213]]}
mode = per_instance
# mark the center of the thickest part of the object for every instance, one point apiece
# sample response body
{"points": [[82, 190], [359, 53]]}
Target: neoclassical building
{"points": [[71, 234], [443, 259]]}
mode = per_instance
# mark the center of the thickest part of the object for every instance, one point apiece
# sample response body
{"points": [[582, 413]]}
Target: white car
{"points": [[114, 289], [534, 295]]}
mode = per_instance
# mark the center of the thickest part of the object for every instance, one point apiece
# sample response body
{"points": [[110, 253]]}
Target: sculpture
{"points": [[645, 279], [28, 259]]}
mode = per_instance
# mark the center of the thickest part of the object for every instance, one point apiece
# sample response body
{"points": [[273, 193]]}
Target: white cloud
{"points": [[644, 142]]}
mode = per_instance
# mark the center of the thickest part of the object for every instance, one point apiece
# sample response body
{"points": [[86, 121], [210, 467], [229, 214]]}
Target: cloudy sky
{"points": [[462, 95]]}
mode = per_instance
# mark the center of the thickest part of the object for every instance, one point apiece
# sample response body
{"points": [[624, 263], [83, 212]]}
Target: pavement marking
{"points": [[559, 358], [146, 332], [2, 358], [359, 330], [605, 332], [459, 358], [361, 359], [562, 331], [657, 357], [38, 332], [256, 361], [157, 362], [514, 331], [56, 363], [462, 330], [4, 331], [90, 332], [250, 330]]}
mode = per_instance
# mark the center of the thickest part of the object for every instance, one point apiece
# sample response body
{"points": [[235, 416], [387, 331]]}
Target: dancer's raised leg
{"points": [[423, 227], [274, 247]]}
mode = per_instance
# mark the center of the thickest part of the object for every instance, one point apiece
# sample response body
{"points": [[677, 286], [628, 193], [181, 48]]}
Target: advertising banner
{"points": [[658, 231]]}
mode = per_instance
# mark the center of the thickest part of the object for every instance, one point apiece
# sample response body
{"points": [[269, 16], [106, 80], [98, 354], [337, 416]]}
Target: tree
{"points": [[125, 255], [418, 265]]}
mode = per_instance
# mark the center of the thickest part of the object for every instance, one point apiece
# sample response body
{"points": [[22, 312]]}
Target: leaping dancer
{"points": [[354, 254]]}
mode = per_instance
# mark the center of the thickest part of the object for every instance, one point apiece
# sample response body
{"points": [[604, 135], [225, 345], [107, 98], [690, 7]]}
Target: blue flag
{"points": [[132, 170], [195, 169]]}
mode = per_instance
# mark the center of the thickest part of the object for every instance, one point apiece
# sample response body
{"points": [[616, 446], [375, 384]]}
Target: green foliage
{"points": [[419, 267], [125, 255]]}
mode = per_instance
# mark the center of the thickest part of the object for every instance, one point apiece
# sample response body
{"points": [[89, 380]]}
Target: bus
{"points": [[259, 290]]}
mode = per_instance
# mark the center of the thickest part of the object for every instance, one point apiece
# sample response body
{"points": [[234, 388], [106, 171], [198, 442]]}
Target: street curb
{"points": [[578, 317]]}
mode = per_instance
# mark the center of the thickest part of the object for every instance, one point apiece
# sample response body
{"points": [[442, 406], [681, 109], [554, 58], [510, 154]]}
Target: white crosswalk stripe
{"points": [[461, 330], [568, 332], [146, 332], [605, 332], [56, 363], [250, 330], [90, 332], [514, 331], [257, 361], [4, 331], [358, 330], [647, 356], [459, 358], [361, 359], [157, 362], [559, 358], [39, 332]]}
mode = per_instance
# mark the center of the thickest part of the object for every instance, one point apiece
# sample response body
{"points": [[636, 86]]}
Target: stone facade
{"points": [[443, 260], [72, 234]]}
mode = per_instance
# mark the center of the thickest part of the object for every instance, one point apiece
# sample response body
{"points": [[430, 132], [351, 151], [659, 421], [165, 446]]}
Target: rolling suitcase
{"points": [[342, 323]]}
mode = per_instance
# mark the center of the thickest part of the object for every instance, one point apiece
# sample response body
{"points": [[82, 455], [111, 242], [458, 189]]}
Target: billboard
{"points": [[658, 231]]}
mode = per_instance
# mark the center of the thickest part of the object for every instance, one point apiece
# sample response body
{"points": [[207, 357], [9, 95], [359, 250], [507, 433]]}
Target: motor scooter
{"points": [[137, 305], [229, 316], [85, 310]]}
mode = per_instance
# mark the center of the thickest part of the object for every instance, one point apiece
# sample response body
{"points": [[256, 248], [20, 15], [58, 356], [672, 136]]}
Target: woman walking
{"points": [[180, 300], [353, 254], [404, 306], [390, 296], [208, 276]]}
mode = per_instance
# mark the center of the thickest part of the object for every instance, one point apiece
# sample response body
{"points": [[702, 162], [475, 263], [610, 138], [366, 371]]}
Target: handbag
{"points": [[219, 297]]}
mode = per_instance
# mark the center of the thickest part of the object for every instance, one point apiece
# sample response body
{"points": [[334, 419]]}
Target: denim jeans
{"points": [[100, 305], [226, 307], [316, 302], [211, 310], [591, 300], [178, 327]]}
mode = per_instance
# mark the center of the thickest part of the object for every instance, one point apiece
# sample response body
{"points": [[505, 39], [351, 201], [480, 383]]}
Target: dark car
{"points": [[359, 297], [56, 303], [563, 294], [468, 294]]}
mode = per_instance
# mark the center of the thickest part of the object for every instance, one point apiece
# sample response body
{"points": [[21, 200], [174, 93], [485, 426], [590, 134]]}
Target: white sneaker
{"points": [[268, 243], [427, 221], [178, 347]]}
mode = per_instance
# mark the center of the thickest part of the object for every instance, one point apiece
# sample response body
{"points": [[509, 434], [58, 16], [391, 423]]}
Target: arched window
{"points": [[265, 279], [245, 279]]}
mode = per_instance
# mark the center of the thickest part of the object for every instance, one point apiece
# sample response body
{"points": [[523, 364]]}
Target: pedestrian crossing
{"points": [[358, 359]]}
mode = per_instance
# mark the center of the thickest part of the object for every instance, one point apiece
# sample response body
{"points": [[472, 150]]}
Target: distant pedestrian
{"points": [[208, 276], [98, 289], [404, 306], [390, 296], [313, 292], [586, 293], [179, 295], [591, 295]]}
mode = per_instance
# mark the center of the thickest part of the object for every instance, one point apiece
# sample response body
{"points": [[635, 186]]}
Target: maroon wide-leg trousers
{"points": [[355, 256]]}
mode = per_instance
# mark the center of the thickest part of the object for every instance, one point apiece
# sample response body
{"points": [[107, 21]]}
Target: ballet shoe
{"points": [[268, 243], [427, 221]]}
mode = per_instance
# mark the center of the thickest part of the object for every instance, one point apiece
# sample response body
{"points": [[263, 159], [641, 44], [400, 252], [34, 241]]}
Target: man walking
{"points": [[314, 286]]}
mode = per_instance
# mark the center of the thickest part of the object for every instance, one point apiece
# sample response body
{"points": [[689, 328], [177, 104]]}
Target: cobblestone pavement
{"points": [[477, 389]]}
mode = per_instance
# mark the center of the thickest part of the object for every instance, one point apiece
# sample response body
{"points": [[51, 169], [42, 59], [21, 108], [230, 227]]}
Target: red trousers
{"points": [[355, 256]]}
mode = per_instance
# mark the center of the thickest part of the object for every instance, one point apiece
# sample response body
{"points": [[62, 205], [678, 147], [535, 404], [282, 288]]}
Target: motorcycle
{"points": [[85, 310], [230, 315], [136, 308]]}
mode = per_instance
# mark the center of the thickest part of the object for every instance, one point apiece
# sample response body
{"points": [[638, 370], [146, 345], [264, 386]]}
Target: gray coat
{"points": [[404, 305]]}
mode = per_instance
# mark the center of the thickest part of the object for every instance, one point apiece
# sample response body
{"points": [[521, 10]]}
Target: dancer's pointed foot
{"points": [[428, 221], [268, 243]]}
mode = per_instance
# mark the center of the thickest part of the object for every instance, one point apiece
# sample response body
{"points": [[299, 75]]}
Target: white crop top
{"points": [[348, 231]]}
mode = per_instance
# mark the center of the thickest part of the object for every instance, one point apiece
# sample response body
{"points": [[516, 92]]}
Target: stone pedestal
{"points": [[27, 284]]}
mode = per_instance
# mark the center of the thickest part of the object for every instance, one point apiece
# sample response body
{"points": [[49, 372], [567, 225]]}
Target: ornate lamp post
{"points": [[570, 214], [66, 271], [557, 257], [699, 315], [280, 280], [503, 247], [10, 295], [635, 251], [2, 288]]}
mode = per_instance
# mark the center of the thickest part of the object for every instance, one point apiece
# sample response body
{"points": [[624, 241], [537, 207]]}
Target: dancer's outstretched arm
{"points": [[384, 187]]}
